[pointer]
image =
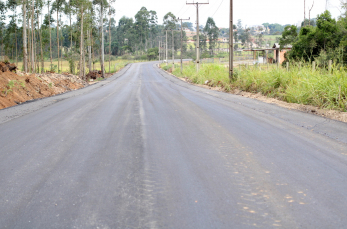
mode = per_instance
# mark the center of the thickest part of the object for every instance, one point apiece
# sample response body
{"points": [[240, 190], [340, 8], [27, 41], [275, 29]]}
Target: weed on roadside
{"points": [[299, 85]]}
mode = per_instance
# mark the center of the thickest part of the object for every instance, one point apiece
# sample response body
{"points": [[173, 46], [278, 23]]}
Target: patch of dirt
{"points": [[331, 114], [4, 67], [94, 75], [16, 88]]}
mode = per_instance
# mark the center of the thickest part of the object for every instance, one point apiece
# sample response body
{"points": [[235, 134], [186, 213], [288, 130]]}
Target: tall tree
{"points": [[111, 12], [50, 35], [12, 5], [103, 5], [58, 7], [2, 19], [25, 50], [144, 19], [170, 21], [32, 37], [212, 33]]}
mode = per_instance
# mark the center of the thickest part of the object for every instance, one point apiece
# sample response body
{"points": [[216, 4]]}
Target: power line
{"points": [[186, 11], [218, 8], [180, 10]]}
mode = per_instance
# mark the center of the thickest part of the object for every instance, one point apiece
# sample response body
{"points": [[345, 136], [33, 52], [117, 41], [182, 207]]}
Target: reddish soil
{"points": [[18, 88]]}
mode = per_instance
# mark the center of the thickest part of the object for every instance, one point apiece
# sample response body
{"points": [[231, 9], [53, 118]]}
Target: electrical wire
{"points": [[218, 8], [180, 10], [185, 11]]}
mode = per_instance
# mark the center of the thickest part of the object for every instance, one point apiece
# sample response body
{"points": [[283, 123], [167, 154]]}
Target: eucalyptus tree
{"points": [[9, 38], [49, 20], [144, 19], [25, 48], [103, 5], [170, 21], [89, 24], [124, 35], [58, 7], [82, 6], [39, 7], [68, 10], [13, 27], [32, 36], [111, 12], [2, 24], [212, 32]]}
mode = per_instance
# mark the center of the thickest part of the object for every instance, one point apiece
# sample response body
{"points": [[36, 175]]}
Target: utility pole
{"points": [[197, 33], [182, 41], [231, 43]]}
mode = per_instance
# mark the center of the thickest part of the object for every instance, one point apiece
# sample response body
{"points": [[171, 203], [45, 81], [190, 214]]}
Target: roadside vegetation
{"points": [[316, 43], [299, 85]]}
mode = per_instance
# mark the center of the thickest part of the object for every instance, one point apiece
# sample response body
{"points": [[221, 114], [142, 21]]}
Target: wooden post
{"points": [[313, 66], [287, 66]]}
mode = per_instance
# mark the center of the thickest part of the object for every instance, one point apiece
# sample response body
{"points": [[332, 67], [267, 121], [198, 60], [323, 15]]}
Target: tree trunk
{"points": [[50, 37], [32, 38], [37, 44], [15, 32], [40, 34], [81, 47], [61, 52], [102, 40], [92, 48], [70, 27], [29, 45], [84, 60], [58, 38], [109, 31], [89, 52]]}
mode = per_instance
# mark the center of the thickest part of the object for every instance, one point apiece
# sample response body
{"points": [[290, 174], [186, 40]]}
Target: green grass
{"points": [[298, 85]]}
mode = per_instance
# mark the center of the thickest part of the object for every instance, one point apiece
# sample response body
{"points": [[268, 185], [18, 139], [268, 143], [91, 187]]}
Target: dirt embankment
{"points": [[16, 88]]}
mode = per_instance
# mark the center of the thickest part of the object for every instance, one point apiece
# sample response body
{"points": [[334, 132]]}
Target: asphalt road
{"points": [[146, 150]]}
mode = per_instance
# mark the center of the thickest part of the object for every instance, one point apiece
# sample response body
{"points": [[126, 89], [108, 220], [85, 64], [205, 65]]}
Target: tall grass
{"points": [[298, 85]]}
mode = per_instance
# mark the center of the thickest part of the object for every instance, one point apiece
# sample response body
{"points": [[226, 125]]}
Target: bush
{"points": [[127, 57]]}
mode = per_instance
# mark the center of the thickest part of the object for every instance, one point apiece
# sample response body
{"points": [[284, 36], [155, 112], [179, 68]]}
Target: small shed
{"points": [[278, 52]]}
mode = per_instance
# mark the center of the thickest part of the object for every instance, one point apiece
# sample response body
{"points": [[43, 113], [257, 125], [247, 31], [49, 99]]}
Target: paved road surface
{"points": [[146, 150]]}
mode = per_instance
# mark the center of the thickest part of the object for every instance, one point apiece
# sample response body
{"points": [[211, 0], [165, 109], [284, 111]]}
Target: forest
{"points": [[33, 31]]}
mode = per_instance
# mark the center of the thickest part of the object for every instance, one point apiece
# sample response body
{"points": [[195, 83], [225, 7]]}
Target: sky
{"points": [[251, 12]]}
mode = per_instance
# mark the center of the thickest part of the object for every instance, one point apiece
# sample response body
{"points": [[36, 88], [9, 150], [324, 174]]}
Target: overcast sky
{"points": [[251, 12]]}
